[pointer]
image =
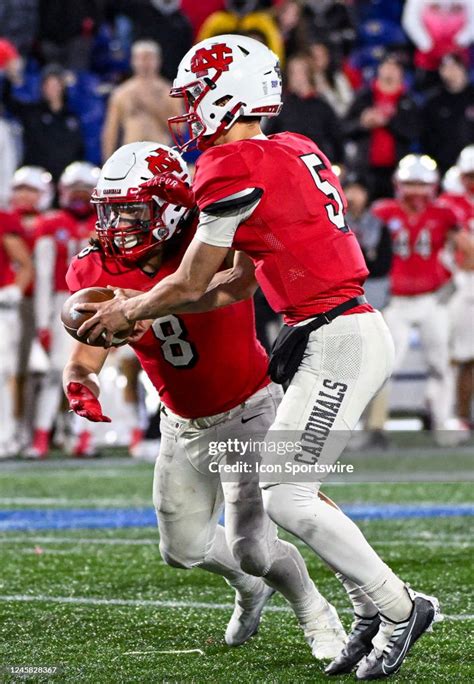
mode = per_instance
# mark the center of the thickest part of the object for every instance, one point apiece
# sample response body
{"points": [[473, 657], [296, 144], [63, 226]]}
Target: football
{"points": [[73, 319]]}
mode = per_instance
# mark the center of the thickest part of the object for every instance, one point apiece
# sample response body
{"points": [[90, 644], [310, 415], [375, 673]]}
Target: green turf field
{"points": [[102, 607]]}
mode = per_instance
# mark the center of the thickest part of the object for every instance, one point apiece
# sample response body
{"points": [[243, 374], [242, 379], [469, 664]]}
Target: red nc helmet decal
{"points": [[162, 162], [216, 57]]}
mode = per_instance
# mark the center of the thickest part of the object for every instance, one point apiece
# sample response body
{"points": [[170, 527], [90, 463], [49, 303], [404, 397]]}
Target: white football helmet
{"points": [[465, 162], [452, 181], [417, 168], [416, 180], [36, 178], [221, 79], [131, 220], [75, 187]]}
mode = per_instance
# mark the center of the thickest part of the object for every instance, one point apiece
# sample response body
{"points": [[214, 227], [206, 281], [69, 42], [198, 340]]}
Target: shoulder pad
{"points": [[225, 170]]}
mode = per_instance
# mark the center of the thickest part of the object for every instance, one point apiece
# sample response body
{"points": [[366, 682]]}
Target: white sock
{"points": [[362, 604], [339, 542]]}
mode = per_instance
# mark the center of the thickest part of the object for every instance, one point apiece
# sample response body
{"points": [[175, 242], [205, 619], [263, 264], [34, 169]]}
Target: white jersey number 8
{"points": [[176, 349], [335, 215]]}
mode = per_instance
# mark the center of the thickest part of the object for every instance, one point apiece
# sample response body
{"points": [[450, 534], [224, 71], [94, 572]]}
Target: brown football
{"points": [[72, 319]]}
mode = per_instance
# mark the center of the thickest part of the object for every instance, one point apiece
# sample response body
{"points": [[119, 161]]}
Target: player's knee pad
{"points": [[252, 555], [176, 559]]}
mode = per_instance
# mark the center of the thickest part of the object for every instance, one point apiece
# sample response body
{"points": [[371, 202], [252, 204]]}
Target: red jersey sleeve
{"points": [[10, 224], [224, 170], [85, 270], [384, 209]]}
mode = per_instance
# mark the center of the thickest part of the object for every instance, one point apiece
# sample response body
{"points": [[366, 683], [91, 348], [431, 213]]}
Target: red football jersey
{"points": [[307, 259], [9, 225], [66, 235], [463, 208], [201, 364], [29, 224], [418, 240]]}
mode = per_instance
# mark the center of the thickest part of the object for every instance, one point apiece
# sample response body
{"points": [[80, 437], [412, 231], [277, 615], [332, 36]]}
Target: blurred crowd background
{"points": [[369, 80]]}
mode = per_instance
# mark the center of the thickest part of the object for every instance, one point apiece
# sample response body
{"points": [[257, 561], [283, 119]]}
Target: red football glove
{"points": [[44, 337], [168, 187], [84, 403]]}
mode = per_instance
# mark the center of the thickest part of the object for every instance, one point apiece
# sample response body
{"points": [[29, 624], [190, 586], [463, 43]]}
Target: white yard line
{"points": [[142, 603], [73, 503], [448, 540]]}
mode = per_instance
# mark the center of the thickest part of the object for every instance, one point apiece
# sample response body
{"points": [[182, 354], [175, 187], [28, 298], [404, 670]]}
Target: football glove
{"points": [[84, 403], [168, 187]]}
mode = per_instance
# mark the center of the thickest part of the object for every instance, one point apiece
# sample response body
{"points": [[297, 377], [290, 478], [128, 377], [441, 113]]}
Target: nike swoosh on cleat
{"points": [[389, 669], [246, 420]]}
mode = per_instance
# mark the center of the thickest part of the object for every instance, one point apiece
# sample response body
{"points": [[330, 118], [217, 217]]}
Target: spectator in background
{"points": [[437, 28], [52, 136], [374, 239], [198, 12], [448, 114], [305, 112], [244, 17], [292, 25], [139, 109], [19, 23], [331, 21], [380, 126], [163, 22], [331, 83], [66, 30], [10, 63]]}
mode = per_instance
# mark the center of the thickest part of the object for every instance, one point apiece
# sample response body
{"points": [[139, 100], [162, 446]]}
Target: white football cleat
{"points": [[246, 616], [326, 635]]}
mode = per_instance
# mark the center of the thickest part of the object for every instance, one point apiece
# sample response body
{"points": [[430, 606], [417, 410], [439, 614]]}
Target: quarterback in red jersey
{"points": [[462, 303], [421, 228], [16, 273], [277, 201], [211, 374], [59, 234]]}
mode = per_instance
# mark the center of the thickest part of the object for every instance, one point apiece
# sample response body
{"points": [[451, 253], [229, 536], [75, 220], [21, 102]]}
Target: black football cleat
{"points": [[380, 664], [359, 644]]}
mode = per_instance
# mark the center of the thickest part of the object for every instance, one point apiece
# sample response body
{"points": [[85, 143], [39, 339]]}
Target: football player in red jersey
{"points": [[277, 201], [32, 193], [420, 228], [16, 273], [211, 374], [59, 235], [462, 303]]}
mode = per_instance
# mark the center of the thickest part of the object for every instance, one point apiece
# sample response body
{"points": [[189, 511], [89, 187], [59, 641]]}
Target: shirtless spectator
{"points": [[139, 108]]}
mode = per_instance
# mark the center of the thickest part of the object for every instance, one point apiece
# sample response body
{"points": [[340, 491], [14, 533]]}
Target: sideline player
{"points": [[211, 374], [461, 305], [16, 273], [277, 200], [59, 235], [420, 229], [32, 193]]}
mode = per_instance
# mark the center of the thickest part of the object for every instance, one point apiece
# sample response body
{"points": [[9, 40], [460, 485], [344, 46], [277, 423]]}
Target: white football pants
{"points": [[432, 320], [344, 366], [9, 341], [189, 497]]}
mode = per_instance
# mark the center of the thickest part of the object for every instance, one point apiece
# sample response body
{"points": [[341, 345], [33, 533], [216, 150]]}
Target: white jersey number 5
{"points": [[176, 349], [335, 215]]}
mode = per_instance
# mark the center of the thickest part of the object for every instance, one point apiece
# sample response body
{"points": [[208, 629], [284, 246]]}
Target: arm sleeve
{"points": [[45, 256], [218, 226], [413, 25]]}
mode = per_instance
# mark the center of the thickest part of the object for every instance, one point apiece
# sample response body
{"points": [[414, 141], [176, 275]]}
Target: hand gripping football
{"points": [[73, 319]]}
